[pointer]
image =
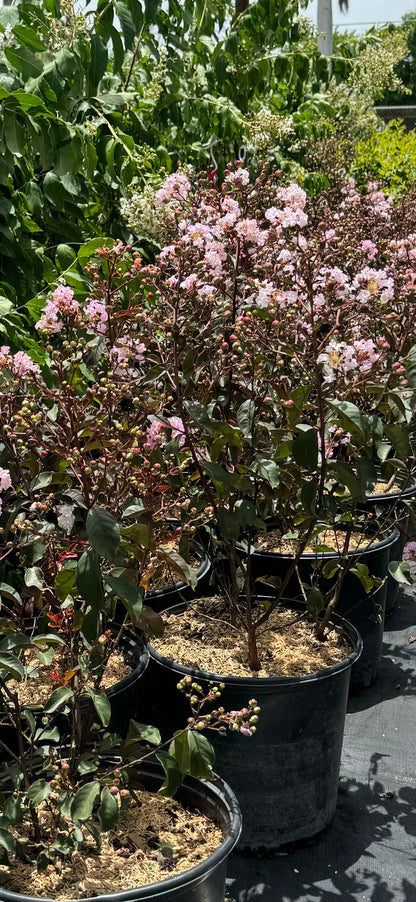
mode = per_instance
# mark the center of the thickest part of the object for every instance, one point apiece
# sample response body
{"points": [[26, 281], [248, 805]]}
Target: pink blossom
{"points": [[189, 282], [214, 258], [178, 429], [197, 234], [272, 214], [154, 434], [23, 364], [373, 283], [294, 196], [366, 354], [49, 321], [5, 479], [263, 296], [97, 315], [290, 218], [63, 297], [239, 179], [369, 248], [175, 187], [409, 551], [330, 234], [249, 230], [126, 350], [4, 355], [245, 730]]}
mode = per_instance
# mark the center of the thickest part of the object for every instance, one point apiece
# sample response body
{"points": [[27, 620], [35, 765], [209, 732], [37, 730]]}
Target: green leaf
{"points": [[7, 840], [108, 810], [88, 249], [139, 733], [199, 414], [83, 802], [28, 37], [173, 774], [101, 705], [351, 419], [9, 15], [24, 61], [224, 478], [193, 754], [13, 134], [64, 583], [228, 524], [245, 416], [38, 792], [151, 622], [65, 256], [400, 571], [179, 565], [34, 577], [314, 602], [89, 580], [268, 470], [58, 698], [363, 573], [305, 449], [103, 532], [343, 474], [5, 306], [10, 593], [399, 438], [99, 60], [10, 667]]}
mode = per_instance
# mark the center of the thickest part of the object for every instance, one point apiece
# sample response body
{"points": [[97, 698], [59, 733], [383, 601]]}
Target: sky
{"points": [[368, 12]]}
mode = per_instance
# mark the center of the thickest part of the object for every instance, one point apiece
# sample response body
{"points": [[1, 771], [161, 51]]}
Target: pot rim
{"points": [[385, 542], [341, 624], [222, 792]]}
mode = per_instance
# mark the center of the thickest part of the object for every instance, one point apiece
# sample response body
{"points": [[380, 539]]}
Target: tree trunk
{"points": [[325, 39]]}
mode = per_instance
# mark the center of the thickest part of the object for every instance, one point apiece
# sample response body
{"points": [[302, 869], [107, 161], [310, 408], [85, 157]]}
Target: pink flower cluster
{"points": [[175, 188], [409, 551], [20, 363], [156, 433], [341, 358], [5, 482]]}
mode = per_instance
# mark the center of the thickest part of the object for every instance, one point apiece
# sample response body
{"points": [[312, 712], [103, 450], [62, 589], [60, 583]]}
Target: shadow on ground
{"points": [[368, 853], [346, 862]]}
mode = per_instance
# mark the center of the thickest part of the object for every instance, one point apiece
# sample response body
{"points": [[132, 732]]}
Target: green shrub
{"points": [[388, 157]]}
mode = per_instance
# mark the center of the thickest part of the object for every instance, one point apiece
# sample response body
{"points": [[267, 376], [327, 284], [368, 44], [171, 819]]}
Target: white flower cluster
{"points": [[267, 131], [141, 215], [6, 37]]}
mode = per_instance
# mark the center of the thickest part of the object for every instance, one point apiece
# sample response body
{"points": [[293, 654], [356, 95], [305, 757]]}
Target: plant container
{"points": [[203, 883], [379, 506], [286, 775], [126, 699], [366, 611]]}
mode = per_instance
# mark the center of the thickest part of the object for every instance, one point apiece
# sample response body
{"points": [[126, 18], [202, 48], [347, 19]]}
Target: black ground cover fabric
{"points": [[368, 853]]}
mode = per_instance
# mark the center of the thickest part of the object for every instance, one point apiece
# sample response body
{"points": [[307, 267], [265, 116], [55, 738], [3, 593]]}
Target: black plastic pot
{"points": [[126, 699], [365, 611], [203, 883], [396, 505], [286, 775]]}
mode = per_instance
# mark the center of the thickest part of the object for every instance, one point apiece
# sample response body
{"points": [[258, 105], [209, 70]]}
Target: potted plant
{"points": [[85, 820], [266, 327]]}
